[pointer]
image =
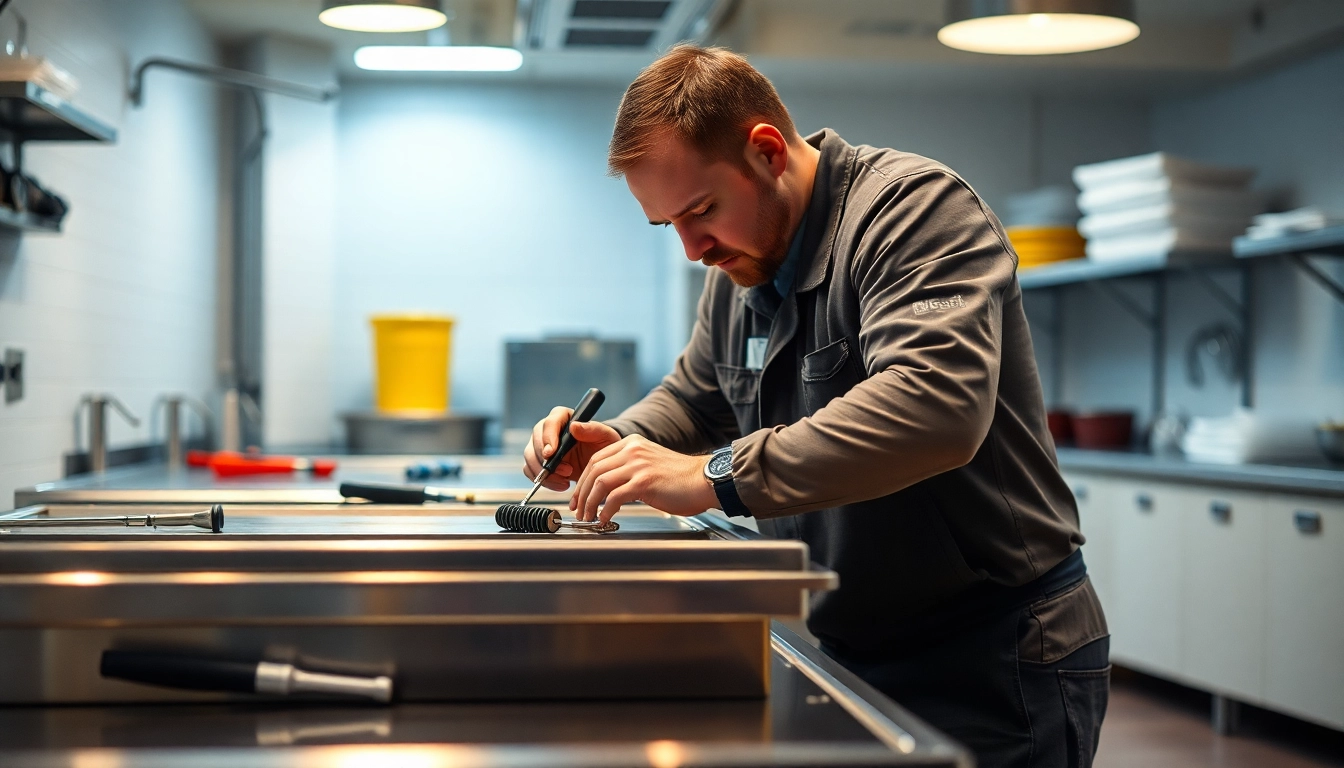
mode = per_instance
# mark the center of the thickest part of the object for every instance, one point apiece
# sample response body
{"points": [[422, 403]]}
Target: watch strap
{"points": [[729, 501]]}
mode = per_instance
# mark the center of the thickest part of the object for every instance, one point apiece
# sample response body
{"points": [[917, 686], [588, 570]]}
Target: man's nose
{"points": [[696, 244]]}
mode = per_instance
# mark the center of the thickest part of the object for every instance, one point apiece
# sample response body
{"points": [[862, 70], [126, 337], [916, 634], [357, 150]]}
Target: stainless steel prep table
{"points": [[448, 604], [817, 714], [494, 479]]}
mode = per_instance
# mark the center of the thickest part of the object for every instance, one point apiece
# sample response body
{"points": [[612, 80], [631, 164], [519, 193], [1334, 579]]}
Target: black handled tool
{"points": [[584, 411], [392, 493], [201, 673]]}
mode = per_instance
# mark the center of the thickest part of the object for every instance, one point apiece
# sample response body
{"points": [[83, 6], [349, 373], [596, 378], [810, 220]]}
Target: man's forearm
{"points": [[885, 434]]}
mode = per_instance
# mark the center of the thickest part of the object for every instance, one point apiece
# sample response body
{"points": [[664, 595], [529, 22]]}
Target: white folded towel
{"points": [[1159, 165]]}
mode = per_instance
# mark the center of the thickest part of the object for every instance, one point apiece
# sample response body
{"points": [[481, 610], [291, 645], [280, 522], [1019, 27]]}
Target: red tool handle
{"points": [[234, 465]]}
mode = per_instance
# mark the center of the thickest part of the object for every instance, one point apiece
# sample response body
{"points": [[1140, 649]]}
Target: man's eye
{"points": [[705, 213]]}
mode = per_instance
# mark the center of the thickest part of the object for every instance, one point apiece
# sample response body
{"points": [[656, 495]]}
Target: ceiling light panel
{"points": [[437, 58]]}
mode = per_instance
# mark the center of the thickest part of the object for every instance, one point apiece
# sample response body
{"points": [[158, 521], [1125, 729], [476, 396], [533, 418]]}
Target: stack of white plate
{"points": [[1153, 205]]}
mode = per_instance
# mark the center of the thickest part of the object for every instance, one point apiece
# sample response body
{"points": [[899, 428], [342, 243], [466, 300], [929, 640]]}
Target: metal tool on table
{"points": [[393, 493], [521, 518], [201, 673], [424, 470], [211, 519], [517, 518]]}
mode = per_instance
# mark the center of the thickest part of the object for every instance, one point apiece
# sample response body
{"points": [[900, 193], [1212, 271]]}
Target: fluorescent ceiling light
{"points": [[1034, 27], [383, 15], [438, 58]]}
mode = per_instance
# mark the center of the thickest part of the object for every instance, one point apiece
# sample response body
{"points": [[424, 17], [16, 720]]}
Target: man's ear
{"points": [[767, 152]]}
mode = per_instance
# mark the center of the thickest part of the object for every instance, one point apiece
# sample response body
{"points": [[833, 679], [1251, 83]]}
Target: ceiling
{"points": [[887, 44]]}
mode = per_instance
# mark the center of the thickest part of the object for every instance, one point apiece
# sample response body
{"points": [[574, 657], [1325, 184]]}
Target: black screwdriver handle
{"points": [[384, 493], [584, 411], [180, 671]]}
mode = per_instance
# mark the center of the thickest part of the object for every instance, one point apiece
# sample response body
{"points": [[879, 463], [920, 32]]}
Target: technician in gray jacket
{"points": [[862, 364]]}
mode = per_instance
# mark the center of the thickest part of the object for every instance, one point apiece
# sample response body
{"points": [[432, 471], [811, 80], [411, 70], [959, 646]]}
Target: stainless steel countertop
{"points": [[494, 479], [817, 714], [315, 569], [1315, 480]]}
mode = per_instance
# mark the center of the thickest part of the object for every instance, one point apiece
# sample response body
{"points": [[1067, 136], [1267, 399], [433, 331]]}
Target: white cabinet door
{"points": [[1304, 660], [1145, 607], [1223, 606], [1096, 496]]}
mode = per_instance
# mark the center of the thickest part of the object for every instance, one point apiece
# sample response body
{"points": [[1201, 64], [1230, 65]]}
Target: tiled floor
{"points": [[1154, 724]]}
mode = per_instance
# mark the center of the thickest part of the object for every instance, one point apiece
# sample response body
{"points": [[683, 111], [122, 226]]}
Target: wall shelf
{"points": [[1295, 248], [22, 221], [1096, 275], [1327, 242], [29, 112], [1086, 270]]}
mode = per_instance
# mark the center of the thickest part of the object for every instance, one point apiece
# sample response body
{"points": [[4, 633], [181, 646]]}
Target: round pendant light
{"points": [[1035, 27], [383, 15]]}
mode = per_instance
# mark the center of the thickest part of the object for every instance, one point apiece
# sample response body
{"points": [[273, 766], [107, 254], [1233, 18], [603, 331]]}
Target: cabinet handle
{"points": [[1144, 502], [1221, 511], [1080, 493], [1307, 521]]}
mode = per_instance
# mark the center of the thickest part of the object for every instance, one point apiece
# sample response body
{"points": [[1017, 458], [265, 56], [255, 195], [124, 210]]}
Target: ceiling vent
{"points": [[632, 25], [641, 10], [609, 38]]}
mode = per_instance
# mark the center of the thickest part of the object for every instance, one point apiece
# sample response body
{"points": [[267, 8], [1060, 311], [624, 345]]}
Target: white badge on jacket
{"points": [[756, 352]]}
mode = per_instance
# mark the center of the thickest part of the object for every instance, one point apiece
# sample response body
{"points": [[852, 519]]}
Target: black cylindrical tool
{"points": [[203, 673], [518, 518], [393, 493], [584, 411]]}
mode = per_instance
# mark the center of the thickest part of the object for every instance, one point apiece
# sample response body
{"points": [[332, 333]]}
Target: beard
{"points": [[770, 238]]}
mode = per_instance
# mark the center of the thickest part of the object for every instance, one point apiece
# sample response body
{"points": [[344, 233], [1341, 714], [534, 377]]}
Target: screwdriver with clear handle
{"points": [[584, 411]]}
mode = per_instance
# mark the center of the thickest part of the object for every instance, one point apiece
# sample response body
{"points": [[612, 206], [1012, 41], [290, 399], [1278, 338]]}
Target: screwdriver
{"points": [[584, 411]]}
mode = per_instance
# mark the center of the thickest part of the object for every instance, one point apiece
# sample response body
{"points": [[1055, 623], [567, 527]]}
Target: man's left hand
{"points": [[637, 469]]}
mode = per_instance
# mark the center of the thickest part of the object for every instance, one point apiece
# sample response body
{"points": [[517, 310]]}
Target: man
{"points": [[862, 362]]}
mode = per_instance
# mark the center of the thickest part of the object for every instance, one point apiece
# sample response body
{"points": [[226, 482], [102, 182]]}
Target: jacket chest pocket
{"points": [[828, 373], [740, 387]]}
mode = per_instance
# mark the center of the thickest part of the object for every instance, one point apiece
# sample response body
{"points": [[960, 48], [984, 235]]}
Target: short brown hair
{"points": [[707, 97]]}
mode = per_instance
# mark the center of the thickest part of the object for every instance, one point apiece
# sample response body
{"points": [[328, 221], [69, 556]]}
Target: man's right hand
{"points": [[591, 437]]}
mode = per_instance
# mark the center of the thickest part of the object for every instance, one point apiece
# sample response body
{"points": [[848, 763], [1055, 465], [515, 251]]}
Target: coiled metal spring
{"points": [[527, 519]]}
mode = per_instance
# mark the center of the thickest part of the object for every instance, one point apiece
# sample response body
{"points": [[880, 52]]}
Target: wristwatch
{"points": [[719, 474]]}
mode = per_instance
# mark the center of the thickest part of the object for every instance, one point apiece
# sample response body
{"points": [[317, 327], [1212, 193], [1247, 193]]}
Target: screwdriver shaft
{"points": [[541, 478]]}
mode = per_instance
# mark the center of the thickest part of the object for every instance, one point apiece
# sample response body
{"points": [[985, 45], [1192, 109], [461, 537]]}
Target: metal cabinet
{"points": [[1146, 602], [1304, 660], [1236, 592], [1222, 625], [1096, 497]]}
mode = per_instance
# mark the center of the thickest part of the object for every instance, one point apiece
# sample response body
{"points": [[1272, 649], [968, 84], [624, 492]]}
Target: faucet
{"points": [[172, 425], [98, 427]]}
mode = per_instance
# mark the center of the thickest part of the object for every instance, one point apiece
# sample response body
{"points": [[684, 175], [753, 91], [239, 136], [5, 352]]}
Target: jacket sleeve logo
{"points": [[937, 305]]}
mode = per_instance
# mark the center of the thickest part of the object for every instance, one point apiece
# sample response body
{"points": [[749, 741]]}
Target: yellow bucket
{"points": [[411, 356]]}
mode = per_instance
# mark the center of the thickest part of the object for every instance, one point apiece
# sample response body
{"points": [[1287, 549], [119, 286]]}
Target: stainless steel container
{"points": [[370, 432]]}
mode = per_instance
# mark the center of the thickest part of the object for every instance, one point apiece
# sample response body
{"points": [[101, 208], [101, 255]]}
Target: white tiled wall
{"points": [[491, 204], [123, 301]]}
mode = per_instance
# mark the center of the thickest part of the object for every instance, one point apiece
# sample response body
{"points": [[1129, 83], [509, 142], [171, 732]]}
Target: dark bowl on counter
{"points": [[1113, 430]]}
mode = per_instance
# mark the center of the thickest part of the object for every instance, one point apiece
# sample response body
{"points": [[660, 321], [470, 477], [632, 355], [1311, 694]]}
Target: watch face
{"points": [[721, 465]]}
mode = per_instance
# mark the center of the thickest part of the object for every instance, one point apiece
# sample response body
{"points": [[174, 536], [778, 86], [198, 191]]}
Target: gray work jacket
{"points": [[897, 425]]}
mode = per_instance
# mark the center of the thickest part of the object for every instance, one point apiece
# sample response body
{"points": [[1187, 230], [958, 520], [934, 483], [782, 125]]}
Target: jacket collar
{"points": [[835, 169]]}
